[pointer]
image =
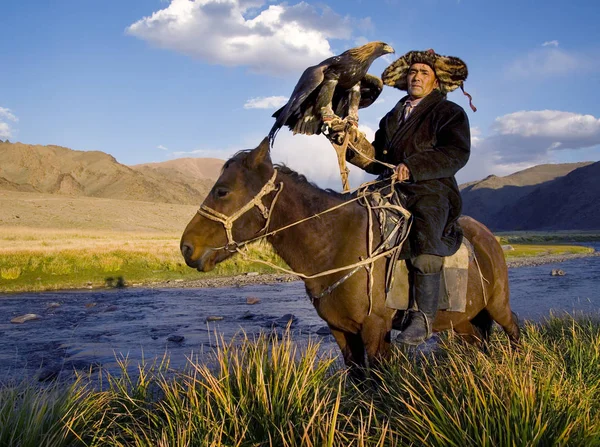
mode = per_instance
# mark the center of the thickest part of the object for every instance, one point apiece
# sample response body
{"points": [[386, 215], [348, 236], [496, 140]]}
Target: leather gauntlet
{"points": [[360, 152]]}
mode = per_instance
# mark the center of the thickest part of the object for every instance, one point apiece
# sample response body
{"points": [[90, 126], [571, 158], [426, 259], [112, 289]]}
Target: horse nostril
{"points": [[187, 250]]}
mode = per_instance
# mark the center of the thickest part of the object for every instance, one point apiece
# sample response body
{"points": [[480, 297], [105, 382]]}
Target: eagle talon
{"points": [[352, 121]]}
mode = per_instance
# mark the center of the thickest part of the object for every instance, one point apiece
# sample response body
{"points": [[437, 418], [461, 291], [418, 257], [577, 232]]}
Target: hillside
{"points": [[55, 211], [484, 199], [59, 170], [566, 203]]}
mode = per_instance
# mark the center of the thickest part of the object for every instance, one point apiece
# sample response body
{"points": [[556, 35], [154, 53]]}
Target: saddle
{"points": [[394, 222]]}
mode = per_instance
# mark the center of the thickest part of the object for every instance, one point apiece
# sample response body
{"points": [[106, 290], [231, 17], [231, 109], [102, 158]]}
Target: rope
{"points": [[368, 262]]}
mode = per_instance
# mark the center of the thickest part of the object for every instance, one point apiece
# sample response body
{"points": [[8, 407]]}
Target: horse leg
{"points": [[471, 334], [375, 337], [352, 348], [505, 317], [483, 323]]}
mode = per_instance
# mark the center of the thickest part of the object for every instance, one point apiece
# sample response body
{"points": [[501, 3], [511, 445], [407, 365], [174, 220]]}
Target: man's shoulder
{"points": [[449, 106]]}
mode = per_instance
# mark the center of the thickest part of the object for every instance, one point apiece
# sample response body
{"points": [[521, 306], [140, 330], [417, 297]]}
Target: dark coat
{"points": [[434, 142]]}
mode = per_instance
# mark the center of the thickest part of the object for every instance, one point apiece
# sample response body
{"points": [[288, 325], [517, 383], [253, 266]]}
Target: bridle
{"points": [[373, 253], [228, 221]]}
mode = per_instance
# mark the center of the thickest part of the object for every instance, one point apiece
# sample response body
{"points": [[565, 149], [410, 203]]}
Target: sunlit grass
{"points": [[33, 260], [527, 250], [268, 391], [43, 259]]}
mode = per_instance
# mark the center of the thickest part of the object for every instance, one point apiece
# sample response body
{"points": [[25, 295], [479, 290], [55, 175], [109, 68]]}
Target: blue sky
{"points": [[152, 80]]}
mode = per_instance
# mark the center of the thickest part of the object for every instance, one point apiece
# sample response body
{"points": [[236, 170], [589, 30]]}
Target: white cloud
{"points": [[7, 114], [269, 102], [551, 61], [273, 39], [162, 148], [314, 157], [222, 154], [6, 130], [550, 43], [475, 136], [523, 139]]}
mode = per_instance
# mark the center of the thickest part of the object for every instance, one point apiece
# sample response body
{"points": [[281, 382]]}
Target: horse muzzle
{"points": [[203, 263]]}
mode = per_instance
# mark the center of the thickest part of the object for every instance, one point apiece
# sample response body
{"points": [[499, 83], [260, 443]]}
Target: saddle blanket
{"points": [[453, 288]]}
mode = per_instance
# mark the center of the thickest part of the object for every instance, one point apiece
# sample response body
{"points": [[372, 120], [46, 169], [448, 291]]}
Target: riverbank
{"points": [[34, 260], [270, 278]]}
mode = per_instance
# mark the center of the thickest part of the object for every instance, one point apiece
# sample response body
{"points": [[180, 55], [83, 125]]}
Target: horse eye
{"points": [[221, 192]]}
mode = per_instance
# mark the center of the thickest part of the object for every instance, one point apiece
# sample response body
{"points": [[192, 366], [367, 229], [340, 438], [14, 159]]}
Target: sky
{"points": [[154, 80]]}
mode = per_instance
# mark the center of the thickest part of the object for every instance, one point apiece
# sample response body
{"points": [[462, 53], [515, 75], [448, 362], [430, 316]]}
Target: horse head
{"points": [[233, 211]]}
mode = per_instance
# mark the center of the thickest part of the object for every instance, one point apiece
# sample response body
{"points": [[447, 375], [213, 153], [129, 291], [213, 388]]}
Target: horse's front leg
{"points": [[352, 347], [375, 334]]}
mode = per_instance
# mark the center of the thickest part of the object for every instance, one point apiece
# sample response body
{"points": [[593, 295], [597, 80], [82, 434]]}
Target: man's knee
{"points": [[427, 263]]}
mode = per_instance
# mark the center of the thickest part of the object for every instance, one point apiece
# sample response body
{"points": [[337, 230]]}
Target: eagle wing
{"points": [[307, 85], [307, 120], [370, 89]]}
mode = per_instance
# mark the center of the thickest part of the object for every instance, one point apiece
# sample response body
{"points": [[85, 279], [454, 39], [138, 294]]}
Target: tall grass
{"points": [[268, 391]]}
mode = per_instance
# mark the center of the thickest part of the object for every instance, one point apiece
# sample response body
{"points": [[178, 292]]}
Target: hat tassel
{"points": [[473, 108]]}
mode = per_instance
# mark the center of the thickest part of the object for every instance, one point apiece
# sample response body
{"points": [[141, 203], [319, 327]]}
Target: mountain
{"points": [[483, 199], [59, 170], [197, 172], [566, 203], [545, 197]]}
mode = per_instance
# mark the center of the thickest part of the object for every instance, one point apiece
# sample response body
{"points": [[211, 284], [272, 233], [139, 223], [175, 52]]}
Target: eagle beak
{"points": [[388, 49]]}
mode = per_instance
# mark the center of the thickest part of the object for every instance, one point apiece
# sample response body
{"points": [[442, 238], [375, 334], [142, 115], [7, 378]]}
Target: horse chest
{"points": [[336, 315]]}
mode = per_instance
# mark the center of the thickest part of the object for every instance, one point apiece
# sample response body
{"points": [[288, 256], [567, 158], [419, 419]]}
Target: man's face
{"points": [[421, 80]]}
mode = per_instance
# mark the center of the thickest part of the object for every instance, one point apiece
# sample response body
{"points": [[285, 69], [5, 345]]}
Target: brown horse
{"points": [[246, 200]]}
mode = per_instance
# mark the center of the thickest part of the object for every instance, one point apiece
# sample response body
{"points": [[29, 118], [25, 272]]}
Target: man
{"points": [[428, 139]]}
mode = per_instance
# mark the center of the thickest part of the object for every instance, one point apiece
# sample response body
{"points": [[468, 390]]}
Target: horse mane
{"points": [[301, 179], [285, 170]]}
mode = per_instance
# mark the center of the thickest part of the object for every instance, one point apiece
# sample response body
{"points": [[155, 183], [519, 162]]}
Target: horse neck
{"points": [[312, 245]]}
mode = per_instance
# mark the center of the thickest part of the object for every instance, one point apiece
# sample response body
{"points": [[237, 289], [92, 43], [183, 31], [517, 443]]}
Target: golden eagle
{"points": [[338, 86]]}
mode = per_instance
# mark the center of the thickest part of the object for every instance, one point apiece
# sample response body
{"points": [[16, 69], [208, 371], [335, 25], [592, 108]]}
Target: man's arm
{"points": [[450, 153]]}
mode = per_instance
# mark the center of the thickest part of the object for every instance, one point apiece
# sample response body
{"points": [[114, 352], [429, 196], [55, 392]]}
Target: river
{"points": [[81, 330]]}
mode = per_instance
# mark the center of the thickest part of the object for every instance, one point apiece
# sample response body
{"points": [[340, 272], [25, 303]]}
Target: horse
{"points": [[252, 198]]}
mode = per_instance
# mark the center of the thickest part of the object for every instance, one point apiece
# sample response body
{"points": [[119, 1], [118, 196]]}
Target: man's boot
{"points": [[427, 290]]}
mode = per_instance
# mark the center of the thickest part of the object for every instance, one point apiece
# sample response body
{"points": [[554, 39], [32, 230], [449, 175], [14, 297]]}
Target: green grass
{"points": [[37, 259], [36, 270], [529, 250], [531, 237], [267, 391]]}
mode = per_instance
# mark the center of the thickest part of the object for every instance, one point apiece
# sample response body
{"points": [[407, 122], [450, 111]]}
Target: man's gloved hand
{"points": [[335, 130]]}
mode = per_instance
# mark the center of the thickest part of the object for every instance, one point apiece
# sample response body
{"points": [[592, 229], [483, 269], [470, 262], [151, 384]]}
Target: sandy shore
{"points": [[254, 278]]}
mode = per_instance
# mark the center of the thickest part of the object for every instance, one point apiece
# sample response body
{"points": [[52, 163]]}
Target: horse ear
{"points": [[260, 155]]}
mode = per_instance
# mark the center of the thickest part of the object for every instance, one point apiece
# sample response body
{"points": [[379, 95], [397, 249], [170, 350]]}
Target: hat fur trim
{"points": [[450, 71]]}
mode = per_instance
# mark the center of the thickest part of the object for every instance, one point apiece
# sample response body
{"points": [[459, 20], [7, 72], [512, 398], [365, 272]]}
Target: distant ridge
{"points": [[200, 173], [484, 199], [59, 170], [571, 202], [544, 197]]}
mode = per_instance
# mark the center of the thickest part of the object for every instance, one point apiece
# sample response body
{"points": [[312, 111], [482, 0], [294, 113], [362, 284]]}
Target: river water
{"points": [[81, 330]]}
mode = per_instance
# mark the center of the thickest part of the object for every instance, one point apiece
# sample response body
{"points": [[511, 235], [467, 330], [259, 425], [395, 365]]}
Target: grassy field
{"points": [[40, 259], [267, 391], [35, 259], [530, 237]]}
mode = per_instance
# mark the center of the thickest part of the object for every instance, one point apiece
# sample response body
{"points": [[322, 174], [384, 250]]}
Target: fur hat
{"points": [[450, 71]]}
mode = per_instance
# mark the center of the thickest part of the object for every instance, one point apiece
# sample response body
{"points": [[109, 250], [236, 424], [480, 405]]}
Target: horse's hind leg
{"points": [[470, 333], [503, 315], [483, 323]]}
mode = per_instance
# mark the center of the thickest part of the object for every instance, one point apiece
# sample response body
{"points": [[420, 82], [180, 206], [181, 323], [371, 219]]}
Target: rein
{"points": [[270, 186]]}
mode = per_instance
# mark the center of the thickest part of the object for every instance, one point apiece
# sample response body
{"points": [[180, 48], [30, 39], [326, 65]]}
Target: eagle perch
{"points": [[337, 87]]}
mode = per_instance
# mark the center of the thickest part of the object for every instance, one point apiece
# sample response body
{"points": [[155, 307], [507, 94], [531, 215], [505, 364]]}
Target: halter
{"points": [[228, 221]]}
